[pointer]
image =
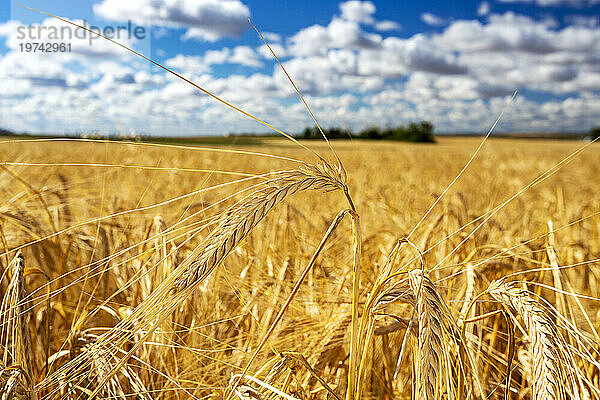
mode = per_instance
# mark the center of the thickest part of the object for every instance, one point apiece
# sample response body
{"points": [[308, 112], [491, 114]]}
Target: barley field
{"points": [[133, 270]]}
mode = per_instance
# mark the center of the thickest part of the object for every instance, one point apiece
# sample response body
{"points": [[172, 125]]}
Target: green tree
{"points": [[310, 133], [372, 132], [595, 133], [414, 132], [335, 133]]}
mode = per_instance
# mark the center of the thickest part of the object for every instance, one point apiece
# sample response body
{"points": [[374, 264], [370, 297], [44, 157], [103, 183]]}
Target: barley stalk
{"points": [[235, 225], [546, 349], [12, 385], [430, 337], [431, 315], [15, 317]]}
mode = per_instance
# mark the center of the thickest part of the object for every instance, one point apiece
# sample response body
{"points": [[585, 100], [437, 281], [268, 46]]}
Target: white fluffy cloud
{"points": [[362, 12], [483, 8], [386, 25], [583, 20], [433, 20], [397, 57], [339, 34], [513, 51], [242, 55], [205, 19], [189, 65], [512, 32], [278, 49], [358, 11], [557, 3], [83, 45], [271, 37], [459, 76], [88, 58]]}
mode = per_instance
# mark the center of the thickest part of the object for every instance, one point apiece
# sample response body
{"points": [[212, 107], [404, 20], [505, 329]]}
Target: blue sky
{"points": [[360, 63]]}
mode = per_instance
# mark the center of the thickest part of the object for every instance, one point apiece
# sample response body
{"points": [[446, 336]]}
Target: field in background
{"points": [[212, 334]]}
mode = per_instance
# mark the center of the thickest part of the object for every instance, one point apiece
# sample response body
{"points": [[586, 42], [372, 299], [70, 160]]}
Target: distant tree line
{"points": [[413, 132], [595, 133]]}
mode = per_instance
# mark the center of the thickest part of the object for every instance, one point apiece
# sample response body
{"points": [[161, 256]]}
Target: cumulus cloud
{"points": [[9, 28], [278, 49], [333, 73], [244, 55], [511, 32], [196, 65], [358, 11], [362, 12], [483, 9], [204, 19], [433, 20], [592, 21], [271, 37], [340, 34], [336, 69], [192, 65], [512, 51], [83, 45], [459, 76], [397, 57], [88, 58], [557, 3], [387, 26]]}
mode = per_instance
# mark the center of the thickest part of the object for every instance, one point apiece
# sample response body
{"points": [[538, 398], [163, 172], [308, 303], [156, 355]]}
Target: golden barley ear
{"points": [[15, 383], [239, 220], [234, 225], [430, 351], [438, 355], [16, 368], [15, 311], [553, 371], [97, 366]]}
